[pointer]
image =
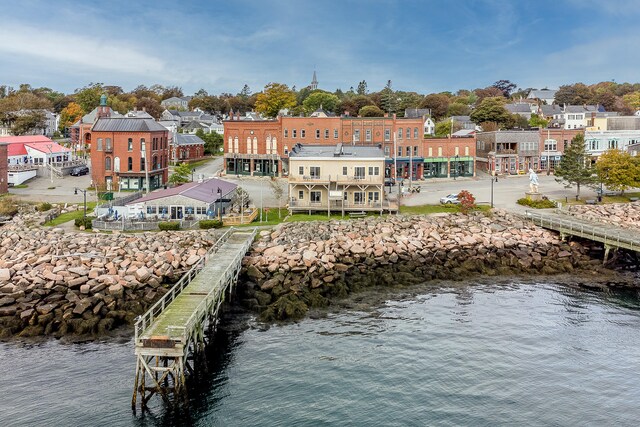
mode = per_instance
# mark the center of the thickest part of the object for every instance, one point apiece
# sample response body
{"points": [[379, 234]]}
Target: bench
{"points": [[590, 202], [357, 214], [633, 199]]}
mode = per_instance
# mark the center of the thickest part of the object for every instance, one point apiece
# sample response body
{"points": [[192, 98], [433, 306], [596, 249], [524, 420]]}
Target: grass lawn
{"points": [[605, 199], [71, 216], [198, 163], [21, 186]]}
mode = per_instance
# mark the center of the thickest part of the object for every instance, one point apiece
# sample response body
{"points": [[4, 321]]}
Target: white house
{"points": [[429, 126], [35, 149], [547, 96], [597, 142]]}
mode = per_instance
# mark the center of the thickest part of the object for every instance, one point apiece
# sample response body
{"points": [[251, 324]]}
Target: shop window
{"points": [[316, 197]]}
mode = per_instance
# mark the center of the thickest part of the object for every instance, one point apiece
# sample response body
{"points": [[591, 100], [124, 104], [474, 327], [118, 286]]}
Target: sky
{"points": [[424, 46]]}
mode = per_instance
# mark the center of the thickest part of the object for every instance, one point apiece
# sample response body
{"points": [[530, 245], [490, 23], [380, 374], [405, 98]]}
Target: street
{"points": [[505, 191]]}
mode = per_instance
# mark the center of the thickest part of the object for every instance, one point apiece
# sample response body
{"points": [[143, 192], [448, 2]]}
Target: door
{"points": [[176, 212]]}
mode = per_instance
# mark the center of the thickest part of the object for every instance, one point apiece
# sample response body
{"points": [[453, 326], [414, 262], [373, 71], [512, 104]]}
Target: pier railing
{"points": [[181, 332], [147, 318], [609, 235]]}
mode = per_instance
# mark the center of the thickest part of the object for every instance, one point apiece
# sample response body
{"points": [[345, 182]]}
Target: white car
{"points": [[450, 199]]}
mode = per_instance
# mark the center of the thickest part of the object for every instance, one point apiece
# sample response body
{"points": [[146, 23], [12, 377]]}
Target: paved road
{"points": [[505, 192]]}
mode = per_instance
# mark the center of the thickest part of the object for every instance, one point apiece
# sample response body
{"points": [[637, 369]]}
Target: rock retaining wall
{"points": [[303, 265], [56, 282], [621, 214]]}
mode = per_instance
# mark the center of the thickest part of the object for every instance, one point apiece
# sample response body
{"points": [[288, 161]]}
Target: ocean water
{"points": [[535, 354]]}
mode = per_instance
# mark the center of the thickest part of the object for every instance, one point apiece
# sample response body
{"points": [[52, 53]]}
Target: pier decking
{"points": [[173, 329], [611, 236]]}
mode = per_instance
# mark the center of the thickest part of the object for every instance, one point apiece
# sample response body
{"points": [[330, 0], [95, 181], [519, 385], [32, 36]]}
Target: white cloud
{"points": [[87, 52]]}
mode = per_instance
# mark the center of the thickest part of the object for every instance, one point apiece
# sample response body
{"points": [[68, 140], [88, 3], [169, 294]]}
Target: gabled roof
{"points": [[184, 139], [139, 114], [414, 113], [91, 117], [127, 125], [16, 149], [206, 191], [581, 108], [22, 139], [47, 147], [550, 110], [462, 133], [195, 125], [518, 108], [542, 94]]}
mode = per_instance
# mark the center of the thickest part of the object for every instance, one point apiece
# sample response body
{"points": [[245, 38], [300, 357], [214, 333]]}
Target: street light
{"points": [[220, 200], [492, 192], [455, 167], [192, 172], [84, 193]]}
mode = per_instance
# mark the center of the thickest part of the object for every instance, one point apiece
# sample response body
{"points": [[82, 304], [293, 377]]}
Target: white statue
{"points": [[533, 181]]}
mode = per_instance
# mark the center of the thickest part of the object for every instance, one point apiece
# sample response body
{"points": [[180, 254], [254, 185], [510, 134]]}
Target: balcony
{"points": [[338, 205], [251, 156], [341, 179]]}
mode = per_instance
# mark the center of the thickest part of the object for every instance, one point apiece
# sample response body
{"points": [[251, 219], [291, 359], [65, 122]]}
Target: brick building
{"points": [[261, 147], [449, 157], [126, 152], [4, 170], [80, 131], [184, 148]]}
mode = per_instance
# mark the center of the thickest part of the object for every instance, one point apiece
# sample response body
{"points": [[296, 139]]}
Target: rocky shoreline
{"points": [[54, 282], [299, 266], [625, 215]]}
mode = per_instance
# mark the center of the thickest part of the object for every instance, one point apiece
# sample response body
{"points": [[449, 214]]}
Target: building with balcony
{"points": [[337, 178], [129, 153], [597, 142], [262, 146]]}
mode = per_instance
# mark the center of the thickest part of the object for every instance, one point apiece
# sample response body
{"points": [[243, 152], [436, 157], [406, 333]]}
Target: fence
{"points": [[239, 219], [129, 225], [123, 200]]}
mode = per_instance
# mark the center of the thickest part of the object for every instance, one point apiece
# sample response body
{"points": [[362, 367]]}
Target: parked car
{"points": [[80, 170], [450, 199]]}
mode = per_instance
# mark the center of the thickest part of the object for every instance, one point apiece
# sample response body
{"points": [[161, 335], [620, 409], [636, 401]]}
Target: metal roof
{"points": [[185, 139], [127, 125], [206, 191], [338, 151]]}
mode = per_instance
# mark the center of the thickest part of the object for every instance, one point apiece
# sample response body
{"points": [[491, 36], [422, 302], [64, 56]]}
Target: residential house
{"points": [[545, 96], [520, 108], [210, 198], [429, 127], [464, 121], [129, 153], [52, 120], [574, 116], [176, 103], [339, 178], [36, 150], [412, 113], [186, 148]]}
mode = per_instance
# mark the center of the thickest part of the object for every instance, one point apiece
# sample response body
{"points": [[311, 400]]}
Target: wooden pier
{"points": [[611, 236], [172, 333]]}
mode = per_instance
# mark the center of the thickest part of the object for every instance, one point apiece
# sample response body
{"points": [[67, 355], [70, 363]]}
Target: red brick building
{"points": [[126, 152], [4, 172], [185, 148], [80, 132], [449, 157], [261, 147]]}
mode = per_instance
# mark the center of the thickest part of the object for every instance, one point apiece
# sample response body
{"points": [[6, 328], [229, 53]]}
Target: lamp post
{"points": [[455, 167], [192, 172], [492, 192], [220, 200], [50, 161], [84, 193]]}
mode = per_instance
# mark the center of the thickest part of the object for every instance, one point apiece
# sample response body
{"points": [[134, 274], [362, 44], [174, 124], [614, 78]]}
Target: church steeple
{"points": [[314, 81]]}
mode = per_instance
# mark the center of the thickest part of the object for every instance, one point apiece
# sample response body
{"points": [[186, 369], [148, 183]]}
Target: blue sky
{"points": [[425, 46]]}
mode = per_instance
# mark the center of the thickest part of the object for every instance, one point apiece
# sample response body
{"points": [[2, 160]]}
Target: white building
{"points": [[597, 142]]}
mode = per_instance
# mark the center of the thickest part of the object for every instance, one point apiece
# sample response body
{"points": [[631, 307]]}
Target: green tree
{"points": [[362, 88], [505, 86], [458, 109], [492, 110], [274, 98], [618, 170], [28, 121], [632, 100], [446, 127], [370, 111], [538, 122], [438, 103], [88, 97], [212, 141], [388, 99], [576, 94], [575, 166], [320, 99], [181, 174]]}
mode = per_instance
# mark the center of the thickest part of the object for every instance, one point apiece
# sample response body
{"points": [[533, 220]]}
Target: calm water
{"points": [[511, 355]]}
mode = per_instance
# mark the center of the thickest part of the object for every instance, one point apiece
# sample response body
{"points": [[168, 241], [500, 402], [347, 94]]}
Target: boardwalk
{"points": [[173, 330], [611, 236]]}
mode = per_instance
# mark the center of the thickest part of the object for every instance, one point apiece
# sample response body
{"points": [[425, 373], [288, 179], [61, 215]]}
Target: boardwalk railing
{"points": [[147, 319], [181, 332], [605, 233]]}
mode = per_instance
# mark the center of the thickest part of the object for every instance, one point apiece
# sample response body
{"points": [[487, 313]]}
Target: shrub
{"points": [[537, 204], [206, 224], [169, 225], [86, 222], [44, 206], [8, 206], [467, 201]]}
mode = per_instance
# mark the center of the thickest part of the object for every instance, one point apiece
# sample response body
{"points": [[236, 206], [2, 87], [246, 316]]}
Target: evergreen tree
{"points": [[388, 99], [362, 88], [575, 165]]}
